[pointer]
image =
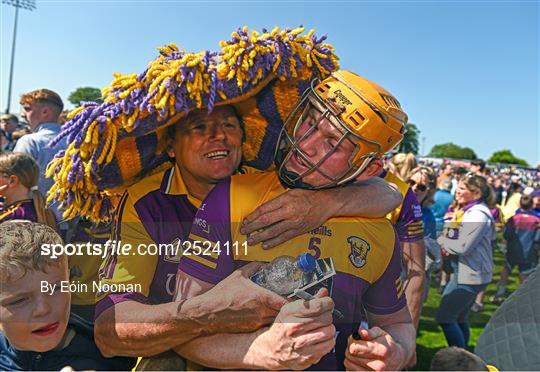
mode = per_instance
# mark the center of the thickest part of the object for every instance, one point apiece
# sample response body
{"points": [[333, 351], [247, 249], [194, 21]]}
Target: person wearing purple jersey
{"points": [[19, 176], [407, 218], [335, 135], [167, 158], [522, 234]]}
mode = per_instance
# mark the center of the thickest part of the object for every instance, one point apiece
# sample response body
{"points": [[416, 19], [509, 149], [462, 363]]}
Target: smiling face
{"points": [[419, 184], [32, 319], [207, 148], [464, 195]]}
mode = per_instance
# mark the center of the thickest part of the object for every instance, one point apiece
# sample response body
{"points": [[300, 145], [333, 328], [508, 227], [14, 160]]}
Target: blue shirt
{"points": [[442, 201], [80, 354], [37, 146], [429, 223]]}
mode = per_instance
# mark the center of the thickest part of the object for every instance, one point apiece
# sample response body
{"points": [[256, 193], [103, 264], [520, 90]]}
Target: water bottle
{"points": [[285, 273]]}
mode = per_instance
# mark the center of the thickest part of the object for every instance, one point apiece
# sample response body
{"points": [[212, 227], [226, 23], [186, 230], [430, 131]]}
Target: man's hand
{"points": [[288, 215], [374, 350], [299, 337], [239, 305]]}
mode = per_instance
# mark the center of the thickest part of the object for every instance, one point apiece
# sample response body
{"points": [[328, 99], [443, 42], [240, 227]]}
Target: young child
{"points": [[19, 175], [522, 234], [38, 332]]}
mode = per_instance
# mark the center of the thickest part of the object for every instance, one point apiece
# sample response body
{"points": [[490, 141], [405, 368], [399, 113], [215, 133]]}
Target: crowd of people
{"points": [[283, 160]]}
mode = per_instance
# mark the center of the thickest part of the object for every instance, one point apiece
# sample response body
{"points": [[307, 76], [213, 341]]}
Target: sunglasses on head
{"points": [[419, 186]]}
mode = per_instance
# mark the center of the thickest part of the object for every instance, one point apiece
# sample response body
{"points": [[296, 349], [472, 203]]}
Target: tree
{"points": [[85, 94], [410, 141], [453, 151], [506, 156]]}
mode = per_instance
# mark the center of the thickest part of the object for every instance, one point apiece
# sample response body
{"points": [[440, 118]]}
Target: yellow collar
{"points": [[174, 185]]}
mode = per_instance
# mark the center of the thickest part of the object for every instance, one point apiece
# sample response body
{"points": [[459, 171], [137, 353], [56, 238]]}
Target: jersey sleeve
{"points": [[409, 224], [132, 268], [386, 295], [209, 256]]}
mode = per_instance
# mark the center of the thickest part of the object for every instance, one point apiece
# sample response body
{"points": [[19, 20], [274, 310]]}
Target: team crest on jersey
{"points": [[359, 251]]}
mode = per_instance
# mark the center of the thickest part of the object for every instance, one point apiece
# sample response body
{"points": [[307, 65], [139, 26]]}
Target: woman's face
{"points": [[419, 184], [464, 196]]}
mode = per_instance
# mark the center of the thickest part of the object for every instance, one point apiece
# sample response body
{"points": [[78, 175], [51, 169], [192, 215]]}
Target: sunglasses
{"points": [[419, 186]]}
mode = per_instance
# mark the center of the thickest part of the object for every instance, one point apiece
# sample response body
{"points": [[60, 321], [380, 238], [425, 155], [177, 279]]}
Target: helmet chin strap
{"points": [[286, 176]]}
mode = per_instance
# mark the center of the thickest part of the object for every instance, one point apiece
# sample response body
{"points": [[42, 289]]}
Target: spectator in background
{"points": [[422, 183], [402, 164], [458, 175], [23, 131], [471, 242], [63, 118], [407, 219], [498, 189], [511, 201], [441, 201], [536, 202], [446, 173], [522, 235], [478, 167], [9, 124], [41, 109], [19, 175], [3, 141]]}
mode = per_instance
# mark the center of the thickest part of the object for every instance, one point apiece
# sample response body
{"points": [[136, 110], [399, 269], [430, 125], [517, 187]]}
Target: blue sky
{"points": [[465, 71]]}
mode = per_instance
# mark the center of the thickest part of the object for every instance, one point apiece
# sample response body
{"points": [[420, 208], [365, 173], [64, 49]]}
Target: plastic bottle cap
{"points": [[306, 262]]}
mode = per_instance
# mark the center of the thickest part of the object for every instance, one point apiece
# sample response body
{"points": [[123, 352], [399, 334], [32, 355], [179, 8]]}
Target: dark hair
{"points": [[460, 171], [526, 202], [10, 117], [457, 359], [480, 163], [515, 187]]}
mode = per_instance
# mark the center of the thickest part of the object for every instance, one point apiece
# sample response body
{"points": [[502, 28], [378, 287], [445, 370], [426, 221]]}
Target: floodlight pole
{"points": [[12, 55], [26, 4]]}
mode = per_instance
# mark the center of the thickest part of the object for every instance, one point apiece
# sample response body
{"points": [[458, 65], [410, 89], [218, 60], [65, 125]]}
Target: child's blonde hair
{"points": [[20, 248], [27, 170]]}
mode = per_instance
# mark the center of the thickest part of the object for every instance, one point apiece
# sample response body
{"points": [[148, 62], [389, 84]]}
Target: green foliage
{"points": [[453, 151], [506, 156], [85, 94], [410, 141]]}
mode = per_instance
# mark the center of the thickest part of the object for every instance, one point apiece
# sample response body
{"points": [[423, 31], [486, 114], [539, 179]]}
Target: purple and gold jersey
{"points": [[156, 210], [21, 210], [84, 268], [407, 218], [365, 253]]}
